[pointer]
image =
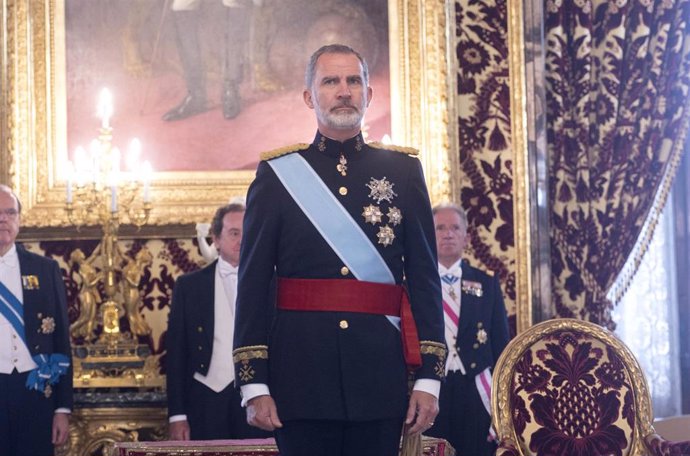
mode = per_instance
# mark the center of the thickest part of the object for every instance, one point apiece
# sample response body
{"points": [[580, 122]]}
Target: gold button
{"points": [[201, 365], [344, 271], [480, 324], [473, 365], [342, 191], [200, 329], [37, 347], [475, 345], [200, 348], [344, 324]]}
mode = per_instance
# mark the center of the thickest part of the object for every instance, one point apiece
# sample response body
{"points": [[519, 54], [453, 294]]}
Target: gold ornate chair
{"points": [[568, 387]]}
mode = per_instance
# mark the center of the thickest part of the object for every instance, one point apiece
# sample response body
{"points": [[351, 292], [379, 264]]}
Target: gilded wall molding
{"points": [[521, 175]]}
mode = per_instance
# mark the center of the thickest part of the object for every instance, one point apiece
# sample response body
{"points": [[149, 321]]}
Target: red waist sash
{"points": [[346, 295]]}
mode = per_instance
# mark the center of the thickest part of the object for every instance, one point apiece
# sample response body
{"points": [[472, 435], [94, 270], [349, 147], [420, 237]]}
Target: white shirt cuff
{"points": [[252, 390], [63, 410], [428, 385], [175, 418]]}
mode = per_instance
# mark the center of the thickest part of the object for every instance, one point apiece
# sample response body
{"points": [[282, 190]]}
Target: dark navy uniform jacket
{"points": [[42, 303], [487, 313], [336, 365]]}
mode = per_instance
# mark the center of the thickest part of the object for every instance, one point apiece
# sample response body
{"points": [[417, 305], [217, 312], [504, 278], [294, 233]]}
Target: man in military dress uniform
{"points": [[340, 222], [476, 334], [35, 363]]}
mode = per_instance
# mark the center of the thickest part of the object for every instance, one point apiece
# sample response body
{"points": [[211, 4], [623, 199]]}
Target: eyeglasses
{"points": [[10, 213]]}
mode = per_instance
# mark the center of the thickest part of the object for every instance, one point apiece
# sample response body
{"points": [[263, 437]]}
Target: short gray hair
{"points": [[333, 49], [8, 189], [453, 207]]}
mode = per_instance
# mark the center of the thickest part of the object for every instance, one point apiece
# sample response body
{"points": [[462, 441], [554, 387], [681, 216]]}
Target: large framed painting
{"points": [[59, 54]]}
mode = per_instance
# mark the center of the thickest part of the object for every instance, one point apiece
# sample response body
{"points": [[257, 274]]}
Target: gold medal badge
{"points": [[30, 282]]}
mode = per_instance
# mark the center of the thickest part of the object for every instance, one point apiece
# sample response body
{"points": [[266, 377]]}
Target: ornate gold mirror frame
{"points": [[423, 84]]}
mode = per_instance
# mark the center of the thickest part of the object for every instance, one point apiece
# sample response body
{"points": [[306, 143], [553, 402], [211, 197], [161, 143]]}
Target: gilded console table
{"points": [[100, 419]]}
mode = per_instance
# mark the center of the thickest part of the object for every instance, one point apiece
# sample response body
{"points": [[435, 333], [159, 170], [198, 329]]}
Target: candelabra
{"points": [[100, 193]]}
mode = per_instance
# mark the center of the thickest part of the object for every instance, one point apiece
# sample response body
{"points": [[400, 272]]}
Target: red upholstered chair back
{"points": [[571, 388]]}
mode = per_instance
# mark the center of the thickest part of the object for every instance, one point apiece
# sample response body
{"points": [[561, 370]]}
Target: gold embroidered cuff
{"points": [[249, 353], [429, 347]]}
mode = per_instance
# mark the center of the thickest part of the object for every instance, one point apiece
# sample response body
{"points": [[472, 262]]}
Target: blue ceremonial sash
{"points": [[50, 367], [332, 221]]}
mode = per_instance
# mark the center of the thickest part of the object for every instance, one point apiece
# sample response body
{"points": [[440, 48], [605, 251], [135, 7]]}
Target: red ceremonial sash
{"points": [[347, 295]]}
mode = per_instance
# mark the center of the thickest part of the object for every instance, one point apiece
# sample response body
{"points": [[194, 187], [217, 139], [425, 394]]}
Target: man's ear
{"points": [[307, 98]]}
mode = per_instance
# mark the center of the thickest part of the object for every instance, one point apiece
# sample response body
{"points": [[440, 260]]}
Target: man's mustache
{"points": [[345, 105]]}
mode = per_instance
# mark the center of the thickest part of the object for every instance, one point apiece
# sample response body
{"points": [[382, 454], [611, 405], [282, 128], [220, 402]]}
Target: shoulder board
{"points": [[404, 150], [489, 272], [275, 153]]}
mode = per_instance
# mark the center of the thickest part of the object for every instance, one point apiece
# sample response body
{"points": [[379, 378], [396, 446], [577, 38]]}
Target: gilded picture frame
{"points": [[33, 129]]}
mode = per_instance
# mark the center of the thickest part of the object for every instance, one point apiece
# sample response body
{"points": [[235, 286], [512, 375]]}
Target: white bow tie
{"points": [[226, 269]]}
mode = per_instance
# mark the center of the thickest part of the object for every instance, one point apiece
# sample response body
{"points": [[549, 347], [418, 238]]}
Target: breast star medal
{"points": [[48, 325], [385, 235], [380, 190], [394, 216], [372, 214]]}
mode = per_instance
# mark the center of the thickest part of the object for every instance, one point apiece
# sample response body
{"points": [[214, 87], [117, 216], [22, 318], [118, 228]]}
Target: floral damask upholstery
{"points": [[568, 387]]}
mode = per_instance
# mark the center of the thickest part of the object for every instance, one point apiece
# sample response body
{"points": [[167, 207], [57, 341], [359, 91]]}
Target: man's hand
{"points": [[262, 413], [179, 430], [60, 428], [421, 412]]}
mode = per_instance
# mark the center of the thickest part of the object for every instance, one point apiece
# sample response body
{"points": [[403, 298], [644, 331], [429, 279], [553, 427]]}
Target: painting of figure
{"points": [[207, 85]]}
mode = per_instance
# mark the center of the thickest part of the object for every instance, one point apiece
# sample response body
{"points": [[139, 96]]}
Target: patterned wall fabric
{"points": [[483, 104], [618, 75]]}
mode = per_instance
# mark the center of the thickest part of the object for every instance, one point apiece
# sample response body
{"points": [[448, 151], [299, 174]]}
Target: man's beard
{"points": [[341, 120]]}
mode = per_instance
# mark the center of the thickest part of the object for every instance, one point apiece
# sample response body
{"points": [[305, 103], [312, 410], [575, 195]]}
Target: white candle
{"points": [[146, 167], [133, 153], [113, 198], [105, 107]]}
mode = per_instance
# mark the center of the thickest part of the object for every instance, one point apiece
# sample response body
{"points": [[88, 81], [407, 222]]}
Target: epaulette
{"points": [[283, 151], [404, 150], [490, 272]]}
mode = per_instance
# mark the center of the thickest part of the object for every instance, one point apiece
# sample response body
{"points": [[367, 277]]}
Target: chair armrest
{"points": [[658, 446]]}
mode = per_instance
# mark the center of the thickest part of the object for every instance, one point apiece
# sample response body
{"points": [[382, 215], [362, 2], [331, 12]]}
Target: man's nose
{"points": [[344, 90]]}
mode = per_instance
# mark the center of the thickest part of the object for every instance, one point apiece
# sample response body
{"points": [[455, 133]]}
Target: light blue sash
{"points": [[50, 367], [332, 221]]}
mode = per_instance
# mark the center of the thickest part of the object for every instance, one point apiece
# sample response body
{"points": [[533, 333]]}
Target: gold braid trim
{"points": [[275, 153], [404, 150], [249, 353], [430, 347]]}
